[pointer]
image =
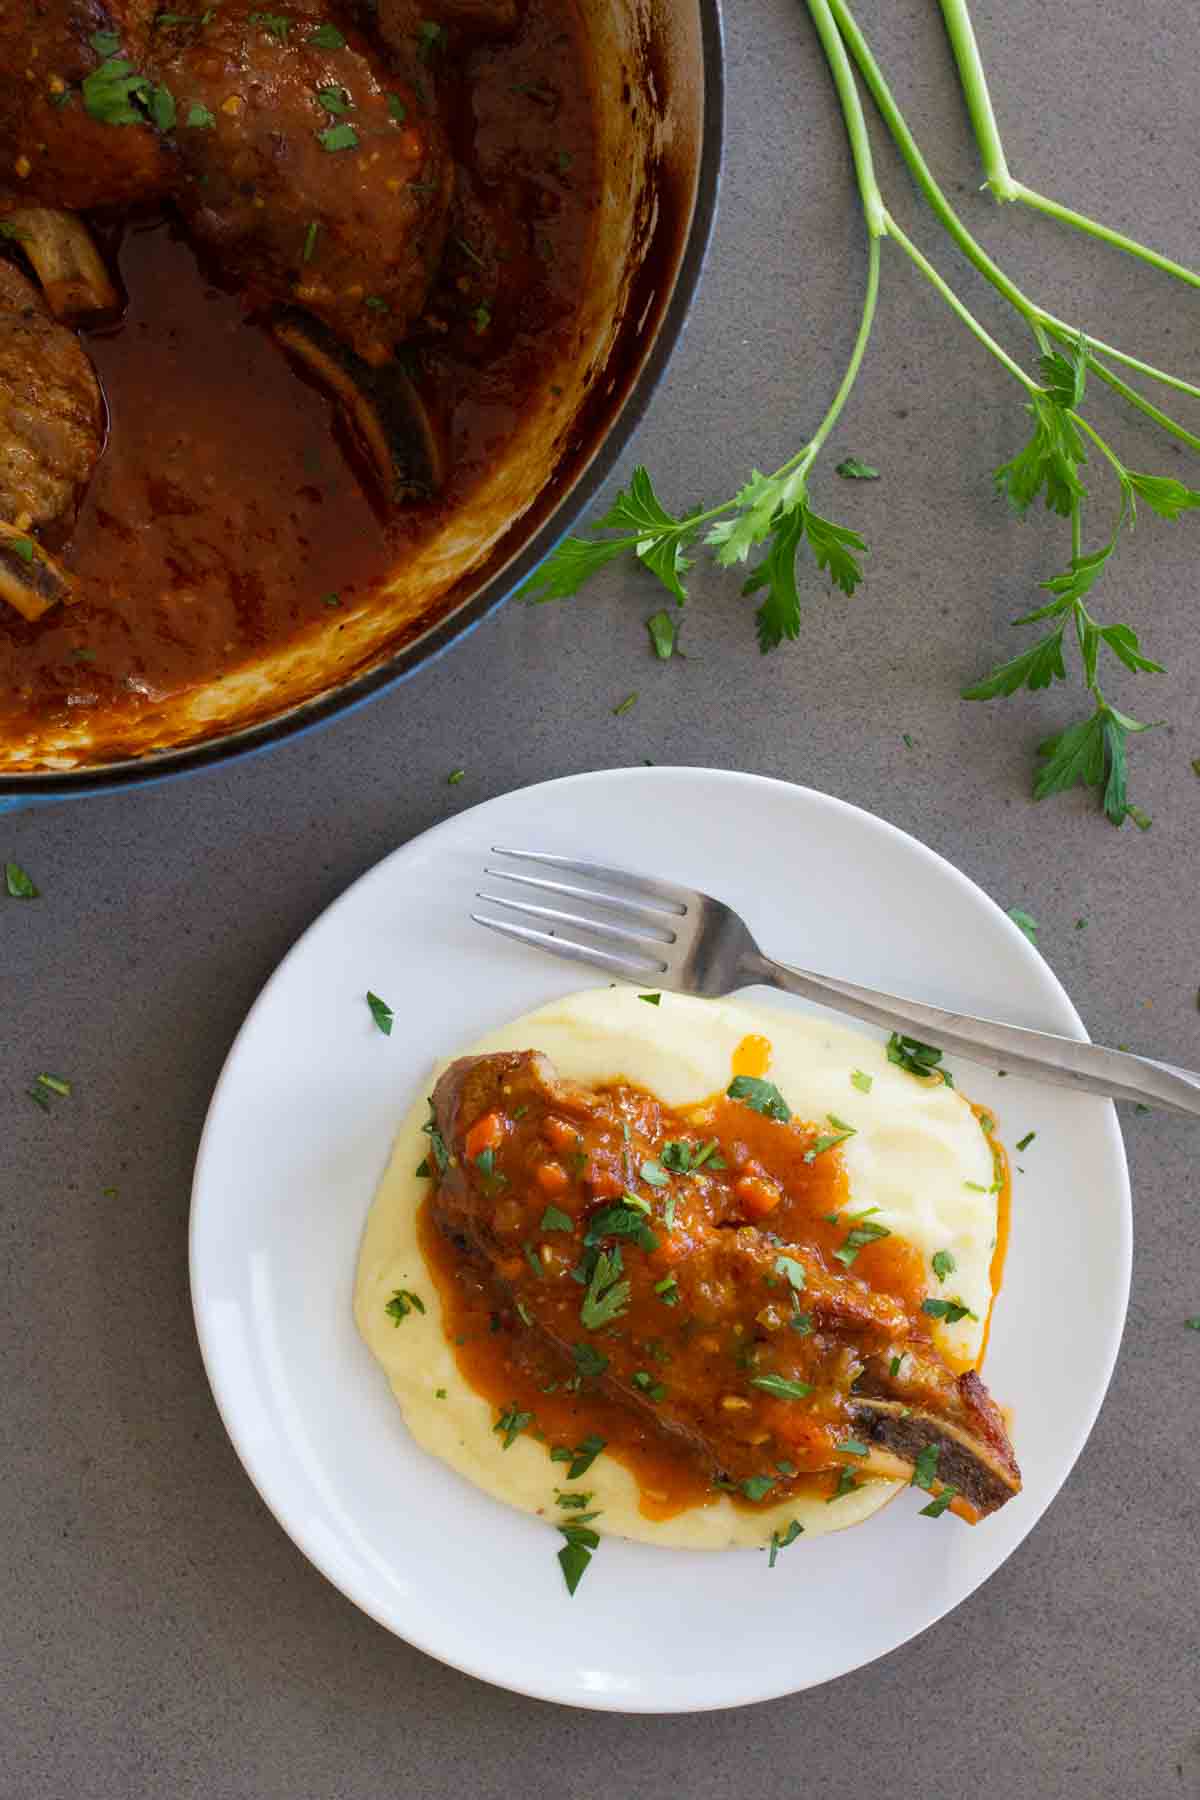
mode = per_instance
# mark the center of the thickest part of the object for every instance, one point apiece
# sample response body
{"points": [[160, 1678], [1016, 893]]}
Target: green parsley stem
{"points": [[956, 306], [1142, 405], [1104, 448], [1036, 316], [1076, 529], [812, 448], [856, 125], [1000, 180]]}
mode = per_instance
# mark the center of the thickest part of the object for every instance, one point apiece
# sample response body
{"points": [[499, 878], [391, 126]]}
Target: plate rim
{"points": [[212, 1361]]}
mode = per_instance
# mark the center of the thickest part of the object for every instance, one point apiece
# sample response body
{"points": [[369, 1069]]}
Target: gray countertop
{"points": [[162, 1635]]}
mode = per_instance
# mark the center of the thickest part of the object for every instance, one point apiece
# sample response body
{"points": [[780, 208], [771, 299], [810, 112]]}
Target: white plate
{"points": [[298, 1134]]}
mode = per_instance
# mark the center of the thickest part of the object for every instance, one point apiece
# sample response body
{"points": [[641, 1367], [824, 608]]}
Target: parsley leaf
{"points": [[792, 1271], [851, 469], [382, 1013], [781, 1387], [938, 1506], [846, 1484], [925, 1466], [756, 1487], [338, 137], [607, 1296], [916, 1058], [1024, 1143], [402, 1303], [335, 100], [761, 1096], [864, 1233], [18, 884], [667, 1290], [621, 1221], [581, 1457], [943, 1264], [199, 118], [512, 1422], [653, 1173], [863, 1083], [1024, 923], [663, 631], [554, 1219], [794, 1530], [651, 999], [326, 37], [951, 1311], [588, 1361]]}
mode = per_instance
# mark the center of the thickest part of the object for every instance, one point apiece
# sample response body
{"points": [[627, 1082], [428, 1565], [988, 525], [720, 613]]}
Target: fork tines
{"points": [[632, 911]]}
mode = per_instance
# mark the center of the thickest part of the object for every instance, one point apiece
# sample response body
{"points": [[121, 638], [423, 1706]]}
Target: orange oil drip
{"points": [[752, 1056]]}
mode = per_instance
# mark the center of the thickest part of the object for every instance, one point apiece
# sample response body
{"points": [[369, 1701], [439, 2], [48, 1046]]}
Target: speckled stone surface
{"points": [[162, 1637]]}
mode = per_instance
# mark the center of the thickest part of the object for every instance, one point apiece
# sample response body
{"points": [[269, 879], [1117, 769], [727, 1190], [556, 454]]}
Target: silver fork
{"points": [[677, 938]]}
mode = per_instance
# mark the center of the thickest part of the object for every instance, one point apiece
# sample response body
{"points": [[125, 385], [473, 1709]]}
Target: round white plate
{"points": [[299, 1132]]}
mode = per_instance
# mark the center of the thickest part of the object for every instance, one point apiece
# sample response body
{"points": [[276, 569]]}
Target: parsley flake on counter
{"points": [[925, 1466], [1024, 922], [778, 1543], [607, 1296], [1193, 1324], [663, 630], [651, 999], [943, 1264], [760, 1096], [624, 706], [756, 1486], [863, 1083], [554, 1219], [916, 1058], [455, 776], [781, 1387], [55, 1084], [338, 137], [851, 469], [512, 1423], [951, 1311], [1024, 1143], [381, 1012], [938, 1506], [17, 883], [402, 1302], [846, 1484]]}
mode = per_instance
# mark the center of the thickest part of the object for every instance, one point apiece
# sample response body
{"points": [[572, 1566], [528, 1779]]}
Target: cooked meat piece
{"points": [[749, 1351], [31, 580], [59, 145], [51, 411], [308, 172]]}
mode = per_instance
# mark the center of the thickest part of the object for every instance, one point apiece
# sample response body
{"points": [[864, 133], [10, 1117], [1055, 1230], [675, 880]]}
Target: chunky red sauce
{"points": [[700, 1352], [224, 516]]}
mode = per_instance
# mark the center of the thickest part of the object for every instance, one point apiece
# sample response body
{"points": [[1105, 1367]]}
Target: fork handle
{"points": [[1062, 1061]]}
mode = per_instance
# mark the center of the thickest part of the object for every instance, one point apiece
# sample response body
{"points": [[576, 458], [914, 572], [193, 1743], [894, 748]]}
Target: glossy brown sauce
{"points": [[224, 516]]}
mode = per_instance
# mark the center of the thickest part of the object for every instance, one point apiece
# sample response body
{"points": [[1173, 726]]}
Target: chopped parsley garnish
{"points": [[684, 1158], [335, 100], [402, 1303], [437, 1142], [781, 1387], [524, 1313], [162, 108], [276, 25], [588, 1362], [915, 1057], [756, 1486], [564, 160], [333, 599], [760, 1096], [326, 37], [1193, 1324], [569, 1502], [621, 1221], [22, 547], [925, 1467], [644, 1380], [431, 37], [382, 1013], [667, 1290], [554, 1219], [829, 1140], [455, 776], [801, 1322], [512, 1423], [653, 1173], [396, 108], [607, 1296], [863, 1083], [17, 883], [791, 1270], [1024, 1143], [1024, 923], [864, 1232], [110, 90], [200, 119], [894, 1368], [581, 1457], [651, 999], [338, 137], [485, 1162], [663, 629], [624, 706], [310, 241], [951, 1311], [794, 1530], [105, 43], [55, 1084], [937, 1507], [846, 1484], [439, 1393], [531, 1257], [576, 1552], [943, 1264], [854, 1447], [377, 303]]}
